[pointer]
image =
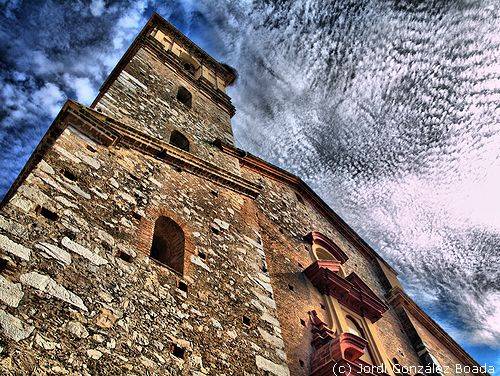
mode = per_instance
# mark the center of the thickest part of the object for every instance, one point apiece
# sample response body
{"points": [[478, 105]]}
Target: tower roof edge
{"points": [[228, 72]]}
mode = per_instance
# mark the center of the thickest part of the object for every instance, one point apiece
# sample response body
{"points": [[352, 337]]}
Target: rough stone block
{"points": [[14, 248], [10, 293], [14, 328], [48, 285]]}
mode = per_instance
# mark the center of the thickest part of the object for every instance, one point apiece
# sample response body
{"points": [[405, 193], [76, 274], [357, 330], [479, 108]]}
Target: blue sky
{"points": [[389, 110]]}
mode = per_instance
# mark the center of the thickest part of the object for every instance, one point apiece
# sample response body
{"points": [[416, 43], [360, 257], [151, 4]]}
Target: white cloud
{"points": [[394, 121], [85, 91], [97, 7], [49, 99]]}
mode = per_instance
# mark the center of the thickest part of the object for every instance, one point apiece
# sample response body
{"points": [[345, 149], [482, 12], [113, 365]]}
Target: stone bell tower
{"points": [[169, 88]]}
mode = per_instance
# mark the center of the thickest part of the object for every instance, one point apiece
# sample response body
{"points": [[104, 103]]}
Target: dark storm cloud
{"points": [[389, 109]]}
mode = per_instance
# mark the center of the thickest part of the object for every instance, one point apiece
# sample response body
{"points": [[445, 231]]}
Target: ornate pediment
{"points": [[351, 291], [317, 238], [332, 350]]}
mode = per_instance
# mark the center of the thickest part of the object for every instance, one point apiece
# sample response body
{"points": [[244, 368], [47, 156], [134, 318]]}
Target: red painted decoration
{"points": [[337, 352], [351, 292], [316, 237]]}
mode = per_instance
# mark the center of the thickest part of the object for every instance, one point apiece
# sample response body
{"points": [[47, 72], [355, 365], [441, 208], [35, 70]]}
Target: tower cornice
{"points": [[109, 132], [145, 40]]}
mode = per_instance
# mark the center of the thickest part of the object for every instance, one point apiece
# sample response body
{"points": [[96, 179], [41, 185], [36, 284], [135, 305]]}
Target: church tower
{"points": [[139, 240], [167, 87]]}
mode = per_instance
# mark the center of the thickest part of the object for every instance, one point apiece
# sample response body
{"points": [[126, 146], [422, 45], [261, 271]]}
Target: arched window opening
{"points": [[189, 64], [168, 244], [184, 96], [323, 254], [355, 328], [180, 141]]}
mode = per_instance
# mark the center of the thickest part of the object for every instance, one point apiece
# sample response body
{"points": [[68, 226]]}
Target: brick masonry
{"points": [[79, 293]]}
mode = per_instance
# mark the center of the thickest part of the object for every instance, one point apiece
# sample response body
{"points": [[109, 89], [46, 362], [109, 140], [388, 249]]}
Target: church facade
{"points": [[138, 240]]}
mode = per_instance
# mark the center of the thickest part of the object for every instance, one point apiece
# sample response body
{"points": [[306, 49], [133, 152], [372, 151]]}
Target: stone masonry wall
{"points": [[445, 358], [144, 96], [78, 295], [284, 221]]}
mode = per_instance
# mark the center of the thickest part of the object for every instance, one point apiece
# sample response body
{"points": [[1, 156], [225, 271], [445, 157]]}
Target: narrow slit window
{"points": [[178, 351], [184, 96], [182, 286], [168, 244], [178, 140], [49, 214], [124, 256], [69, 175]]}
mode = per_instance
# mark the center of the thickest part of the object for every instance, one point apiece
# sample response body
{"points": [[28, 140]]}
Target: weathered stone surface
{"points": [[265, 299], [65, 154], [271, 339], [198, 261], [55, 252], [236, 310], [14, 328], [270, 319], [77, 329], [222, 224], [45, 343], [10, 293], [94, 354], [266, 365], [106, 319], [45, 167], [84, 252], [14, 248], [12, 227], [90, 161], [48, 285]]}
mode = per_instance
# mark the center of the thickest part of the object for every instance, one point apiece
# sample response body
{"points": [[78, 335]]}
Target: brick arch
{"points": [[146, 234], [168, 244]]}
